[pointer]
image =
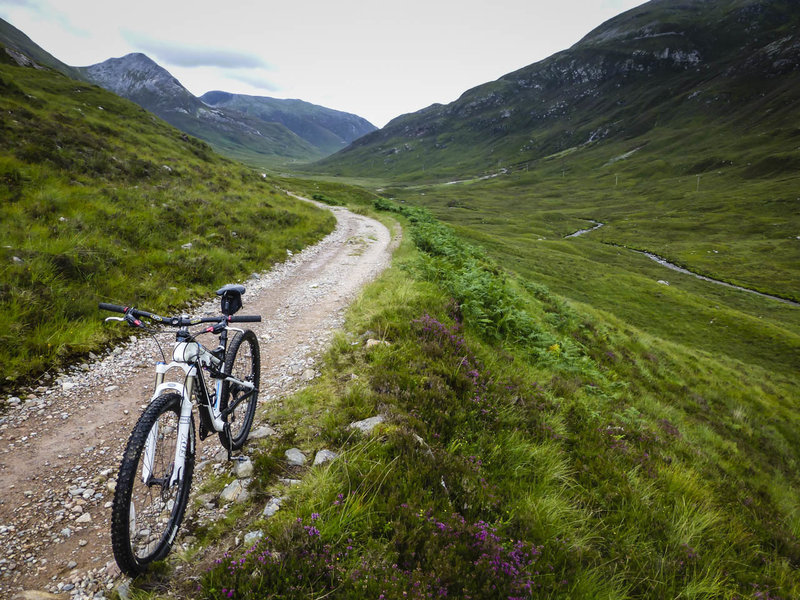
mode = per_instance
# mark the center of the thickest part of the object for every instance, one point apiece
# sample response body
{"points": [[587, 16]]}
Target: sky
{"points": [[375, 58]]}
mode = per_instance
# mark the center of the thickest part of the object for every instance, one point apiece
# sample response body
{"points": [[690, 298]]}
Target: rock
{"points": [[36, 595], [187, 246], [285, 481], [243, 468], [111, 485], [71, 565], [324, 456], [124, 590], [371, 343], [251, 537], [367, 425], [84, 518], [662, 282], [68, 385], [295, 458], [272, 506], [308, 375], [14, 401], [235, 491], [262, 432], [66, 532]]}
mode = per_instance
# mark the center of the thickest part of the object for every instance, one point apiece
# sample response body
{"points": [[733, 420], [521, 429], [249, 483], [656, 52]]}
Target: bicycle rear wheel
{"points": [[242, 361], [148, 507]]}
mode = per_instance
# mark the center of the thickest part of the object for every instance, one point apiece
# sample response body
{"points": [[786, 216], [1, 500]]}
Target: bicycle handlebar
{"points": [[176, 321]]}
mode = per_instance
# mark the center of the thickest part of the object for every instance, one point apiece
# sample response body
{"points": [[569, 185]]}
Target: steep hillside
{"points": [[729, 65], [22, 48], [253, 140], [102, 201], [327, 129]]}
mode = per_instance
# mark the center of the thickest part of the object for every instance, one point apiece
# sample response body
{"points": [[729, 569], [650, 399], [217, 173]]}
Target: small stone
{"points": [[110, 388], [66, 532], [235, 491], [262, 432], [371, 343], [243, 468], [662, 282], [308, 375], [71, 565], [295, 457], [252, 537], [84, 518], [272, 506], [111, 485], [324, 456], [367, 425], [187, 246], [68, 385]]}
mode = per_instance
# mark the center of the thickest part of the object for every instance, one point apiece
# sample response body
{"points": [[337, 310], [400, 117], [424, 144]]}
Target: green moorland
{"points": [[532, 447], [734, 224], [102, 201]]}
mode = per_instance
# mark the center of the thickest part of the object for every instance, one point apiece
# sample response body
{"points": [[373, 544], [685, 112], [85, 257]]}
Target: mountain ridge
{"points": [[308, 134], [658, 64]]}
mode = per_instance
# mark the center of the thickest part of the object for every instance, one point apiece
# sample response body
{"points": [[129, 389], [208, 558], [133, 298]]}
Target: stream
{"points": [[674, 267], [665, 263], [597, 225]]}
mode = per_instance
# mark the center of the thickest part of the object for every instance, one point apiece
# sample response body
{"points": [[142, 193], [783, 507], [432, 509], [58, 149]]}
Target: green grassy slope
{"points": [[532, 448], [102, 201]]}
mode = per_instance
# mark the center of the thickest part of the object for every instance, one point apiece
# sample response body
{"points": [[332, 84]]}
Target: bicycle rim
{"points": [[150, 499]]}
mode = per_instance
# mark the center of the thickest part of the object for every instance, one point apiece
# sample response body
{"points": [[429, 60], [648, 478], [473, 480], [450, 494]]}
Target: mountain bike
{"points": [[155, 475]]}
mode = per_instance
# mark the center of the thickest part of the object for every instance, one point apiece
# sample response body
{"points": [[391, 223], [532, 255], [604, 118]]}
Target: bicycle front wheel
{"points": [[151, 495], [238, 403]]}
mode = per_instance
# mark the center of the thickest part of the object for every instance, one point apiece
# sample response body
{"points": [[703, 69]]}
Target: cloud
{"points": [[253, 79], [194, 56]]}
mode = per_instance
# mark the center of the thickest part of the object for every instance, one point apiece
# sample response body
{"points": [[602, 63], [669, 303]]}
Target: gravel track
{"points": [[61, 443]]}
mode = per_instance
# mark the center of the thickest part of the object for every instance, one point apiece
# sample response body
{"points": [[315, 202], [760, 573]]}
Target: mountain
{"points": [[138, 78], [24, 50], [662, 65], [327, 129]]}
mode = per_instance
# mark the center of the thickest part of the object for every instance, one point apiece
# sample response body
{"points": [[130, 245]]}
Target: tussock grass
{"points": [[101, 201], [557, 453]]}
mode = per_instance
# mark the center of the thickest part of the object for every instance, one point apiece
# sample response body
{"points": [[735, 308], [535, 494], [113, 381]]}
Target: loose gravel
{"points": [[61, 441]]}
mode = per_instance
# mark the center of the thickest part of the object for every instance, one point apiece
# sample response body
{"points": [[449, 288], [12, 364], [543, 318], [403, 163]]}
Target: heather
{"points": [[531, 448]]}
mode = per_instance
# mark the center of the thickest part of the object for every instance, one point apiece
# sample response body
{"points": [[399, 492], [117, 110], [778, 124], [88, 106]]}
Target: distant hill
{"points": [[256, 130], [327, 129], [138, 78], [664, 65]]}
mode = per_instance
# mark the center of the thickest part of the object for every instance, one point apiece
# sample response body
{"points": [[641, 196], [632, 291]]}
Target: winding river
{"points": [[665, 263]]}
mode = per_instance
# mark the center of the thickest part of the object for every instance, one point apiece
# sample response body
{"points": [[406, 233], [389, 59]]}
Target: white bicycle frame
{"points": [[185, 356]]}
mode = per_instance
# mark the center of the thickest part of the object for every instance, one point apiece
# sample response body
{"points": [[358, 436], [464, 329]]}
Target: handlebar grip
{"points": [[111, 307], [244, 319]]}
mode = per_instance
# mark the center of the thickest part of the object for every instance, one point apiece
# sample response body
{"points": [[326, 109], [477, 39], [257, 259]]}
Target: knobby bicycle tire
{"points": [[146, 515], [243, 361]]}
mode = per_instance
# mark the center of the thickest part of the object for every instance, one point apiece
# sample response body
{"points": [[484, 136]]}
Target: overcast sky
{"points": [[375, 58]]}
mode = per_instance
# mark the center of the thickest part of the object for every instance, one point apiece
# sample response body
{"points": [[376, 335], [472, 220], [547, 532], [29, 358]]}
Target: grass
{"points": [[101, 201], [533, 447]]}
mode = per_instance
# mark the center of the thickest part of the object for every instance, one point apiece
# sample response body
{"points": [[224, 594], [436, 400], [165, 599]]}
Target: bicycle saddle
{"points": [[231, 298]]}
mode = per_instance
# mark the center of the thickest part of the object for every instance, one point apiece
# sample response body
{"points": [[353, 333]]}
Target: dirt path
{"points": [[60, 447]]}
